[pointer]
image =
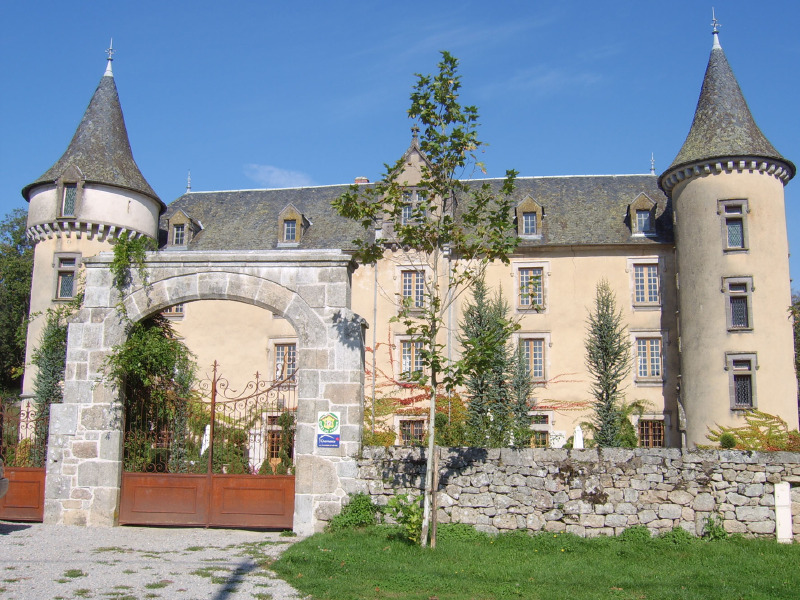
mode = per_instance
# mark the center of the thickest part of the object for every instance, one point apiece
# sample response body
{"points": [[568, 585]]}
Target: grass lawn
{"points": [[376, 563]]}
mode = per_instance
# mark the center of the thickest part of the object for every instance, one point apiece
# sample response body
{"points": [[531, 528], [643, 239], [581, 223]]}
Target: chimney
{"points": [[362, 179]]}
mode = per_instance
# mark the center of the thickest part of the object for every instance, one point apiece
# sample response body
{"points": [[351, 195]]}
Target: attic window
{"points": [[179, 235], [290, 230], [529, 215], [642, 216], [291, 226]]}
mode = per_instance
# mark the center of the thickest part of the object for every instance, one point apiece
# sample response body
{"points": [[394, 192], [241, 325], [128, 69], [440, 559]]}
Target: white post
{"points": [[783, 512]]}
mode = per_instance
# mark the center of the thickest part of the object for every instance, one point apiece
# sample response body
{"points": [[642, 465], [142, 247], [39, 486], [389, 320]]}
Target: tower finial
{"points": [[652, 163], [110, 51], [715, 25], [189, 182]]}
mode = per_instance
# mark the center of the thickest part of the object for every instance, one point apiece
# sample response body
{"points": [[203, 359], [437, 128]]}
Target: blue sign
{"points": [[327, 440]]}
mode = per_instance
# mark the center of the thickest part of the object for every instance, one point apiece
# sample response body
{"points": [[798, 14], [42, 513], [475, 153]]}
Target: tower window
{"points": [[742, 380], [738, 292], [70, 200], [734, 224], [66, 276]]}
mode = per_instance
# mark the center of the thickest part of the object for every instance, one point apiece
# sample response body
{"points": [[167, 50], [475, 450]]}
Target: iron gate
{"points": [[220, 458], [23, 448]]}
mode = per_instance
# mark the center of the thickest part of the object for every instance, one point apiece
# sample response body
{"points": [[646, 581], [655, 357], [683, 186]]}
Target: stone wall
{"points": [[595, 492]]}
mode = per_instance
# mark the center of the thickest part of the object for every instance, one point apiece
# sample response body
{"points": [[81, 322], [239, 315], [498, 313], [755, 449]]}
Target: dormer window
{"points": [[290, 230], [69, 200], [529, 223], [642, 215], [529, 215], [644, 222], [410, 211], [292, 225], [179, 234]]}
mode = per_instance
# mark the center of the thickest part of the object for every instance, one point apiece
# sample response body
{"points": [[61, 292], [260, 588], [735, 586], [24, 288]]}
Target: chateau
{"points": [[697, 258]]}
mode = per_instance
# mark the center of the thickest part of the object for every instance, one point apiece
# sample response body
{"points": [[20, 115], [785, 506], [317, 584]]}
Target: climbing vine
{"points": [[130, 253]]}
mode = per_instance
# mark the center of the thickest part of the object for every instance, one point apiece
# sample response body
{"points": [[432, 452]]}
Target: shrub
{"points": [[407, 511], [713, 528], [459, 532], [637, 533], [727, 440], [677, 536], [358, 512]]}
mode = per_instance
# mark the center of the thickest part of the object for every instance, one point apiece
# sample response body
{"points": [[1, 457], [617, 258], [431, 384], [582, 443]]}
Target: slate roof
{"points": [[100, 147], [578, 210], [723, 126]]}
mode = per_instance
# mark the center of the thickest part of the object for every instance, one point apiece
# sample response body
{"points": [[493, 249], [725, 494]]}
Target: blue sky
{"points": [[269, 94]]}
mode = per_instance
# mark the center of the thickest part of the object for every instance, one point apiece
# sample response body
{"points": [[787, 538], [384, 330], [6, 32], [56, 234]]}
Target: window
{"points": [[531, 294], [648, 358], [651, 433], [529, 223], [644, 221], [540, 439], [540, 420], [412, 432], [742, 380], [286, 362], [413, 291], [67, 269], [645, 284], [533, 354], [179, 234], [410, 211], [734, 224], [410, 358], [70, 200], [173, 312], [290, 230], [738, 292]]}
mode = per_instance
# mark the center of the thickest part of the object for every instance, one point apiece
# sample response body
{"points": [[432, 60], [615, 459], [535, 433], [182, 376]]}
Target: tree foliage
{"points": [[608, 361], [16, 268], [496, 376], [456, 227]]}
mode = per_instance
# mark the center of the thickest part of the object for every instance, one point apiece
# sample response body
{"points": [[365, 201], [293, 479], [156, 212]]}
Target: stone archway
{"points": [[311, 289]]}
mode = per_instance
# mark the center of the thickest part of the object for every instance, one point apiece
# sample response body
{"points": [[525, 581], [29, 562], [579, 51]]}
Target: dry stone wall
{"points": [[593, 492]]}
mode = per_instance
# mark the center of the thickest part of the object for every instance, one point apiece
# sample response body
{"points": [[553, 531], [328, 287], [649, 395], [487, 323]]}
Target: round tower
{"points": [[93, 194], [726, 185]]}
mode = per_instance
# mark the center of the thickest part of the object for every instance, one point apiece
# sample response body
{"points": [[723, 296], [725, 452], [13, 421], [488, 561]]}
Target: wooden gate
{"points": [[221, 459], [23, 448]]}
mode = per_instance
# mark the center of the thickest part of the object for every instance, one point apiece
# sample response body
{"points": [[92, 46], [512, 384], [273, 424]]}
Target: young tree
{"points": [[16, 267], [449, 234], [608, 361]]}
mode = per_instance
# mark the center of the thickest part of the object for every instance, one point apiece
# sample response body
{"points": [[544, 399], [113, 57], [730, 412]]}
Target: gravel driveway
{"points": [[40, 562]]}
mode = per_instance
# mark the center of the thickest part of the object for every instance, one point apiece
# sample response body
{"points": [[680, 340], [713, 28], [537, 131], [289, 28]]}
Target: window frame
{"points": [[279, 347], [544, 429], [414, 422], [544, 338], [175, 312], [417, 289], [414, 347], [648, 439], [529, 207], [649, 227], [62, 270], [179, 231], [648, 336], [730, 295], [541, 294], [645, 263], [412, 198], [740, 371], [290, 231], [71, 180], [727, 209]]}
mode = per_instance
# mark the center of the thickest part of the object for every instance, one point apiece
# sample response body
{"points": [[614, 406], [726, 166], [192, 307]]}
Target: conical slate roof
{"points": [[723, 126], [100, 146]]}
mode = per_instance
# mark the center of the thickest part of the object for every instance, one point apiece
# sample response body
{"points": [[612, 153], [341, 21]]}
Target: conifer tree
{"points": [[608, 361]]}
